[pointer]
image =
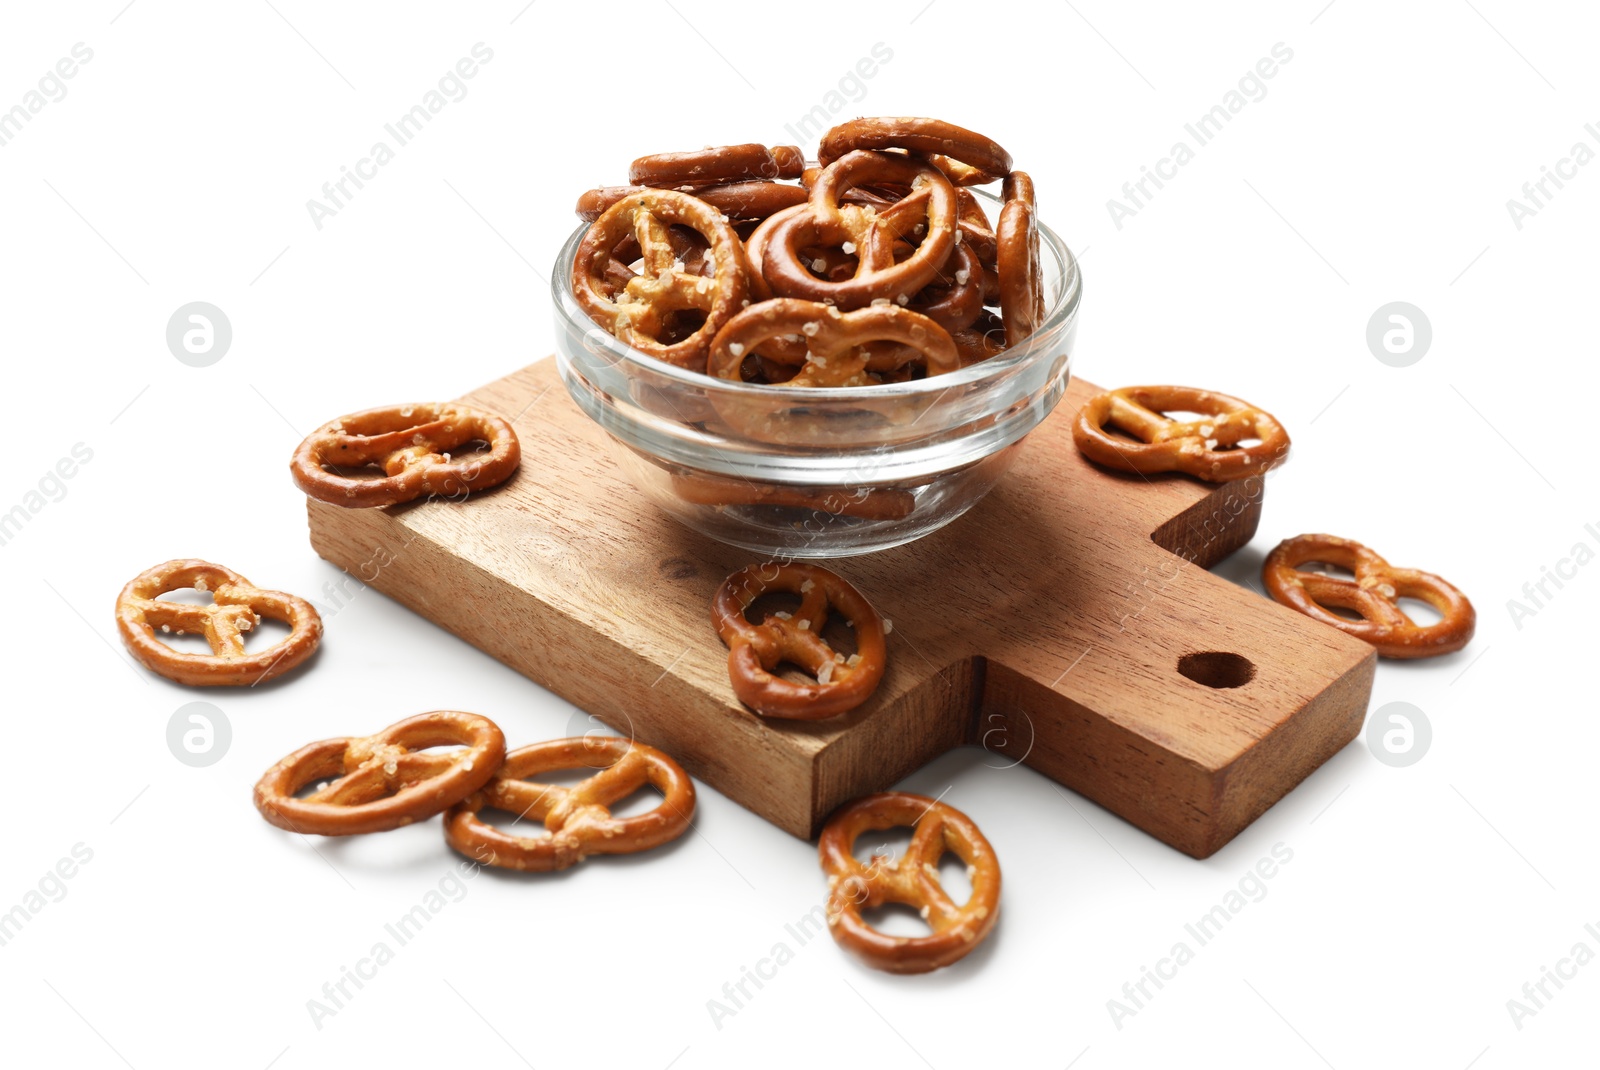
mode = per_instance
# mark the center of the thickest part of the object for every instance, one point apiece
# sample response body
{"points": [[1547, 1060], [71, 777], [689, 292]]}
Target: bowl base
{"points": [[792, 521]]}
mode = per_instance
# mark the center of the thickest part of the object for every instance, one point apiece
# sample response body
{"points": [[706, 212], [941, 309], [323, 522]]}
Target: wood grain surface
{"points": [[1047, 624]]}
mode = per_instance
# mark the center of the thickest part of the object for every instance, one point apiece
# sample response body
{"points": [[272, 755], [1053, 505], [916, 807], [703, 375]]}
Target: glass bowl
{"points": [[796, 472]]}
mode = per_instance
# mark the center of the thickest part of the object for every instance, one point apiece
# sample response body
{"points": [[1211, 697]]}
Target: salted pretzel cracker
{"points": [[690, 251], [833, 340], [970, 159], [756, 650], [687, 245], [954, 298], [640, 315], [417, 448], [713, 165], [1206, 448], [789, 349], [868, 234], [746, 200], [913, 880], [1374, 594], [384, 781], [238, 606], [578, 818], [960, 289], [956, 295], [976, 230], [1017, 260], [985, 338], [970, 216], [756, 253]]}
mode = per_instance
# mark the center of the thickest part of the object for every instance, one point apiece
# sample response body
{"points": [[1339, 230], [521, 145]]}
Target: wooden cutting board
{"points": [[1067, 621]]}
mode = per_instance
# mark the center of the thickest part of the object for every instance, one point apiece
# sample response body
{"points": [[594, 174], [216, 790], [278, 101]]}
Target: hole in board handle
{"points": [[1217, 668]]}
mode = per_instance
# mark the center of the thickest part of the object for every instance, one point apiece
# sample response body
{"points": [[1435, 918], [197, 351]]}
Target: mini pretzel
{"points": [[238, 607], [971, 220], [756, 650], [578, 817], [954, 298], [711, 165], [412, 446], [1202, 448], [985, 338], [691, 255], [833, 339], [976, 230], [869, 234], [874, 503], [835, 264], [913, 881], [1017, 260], [641, 314], [1374, 594], [384, 781], [752, 200], [969, 159], [748, 200], [956, 294], [756, 251]]}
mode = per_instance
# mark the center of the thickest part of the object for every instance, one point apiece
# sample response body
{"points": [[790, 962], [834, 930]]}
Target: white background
{"points": [[1376, 169]]}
